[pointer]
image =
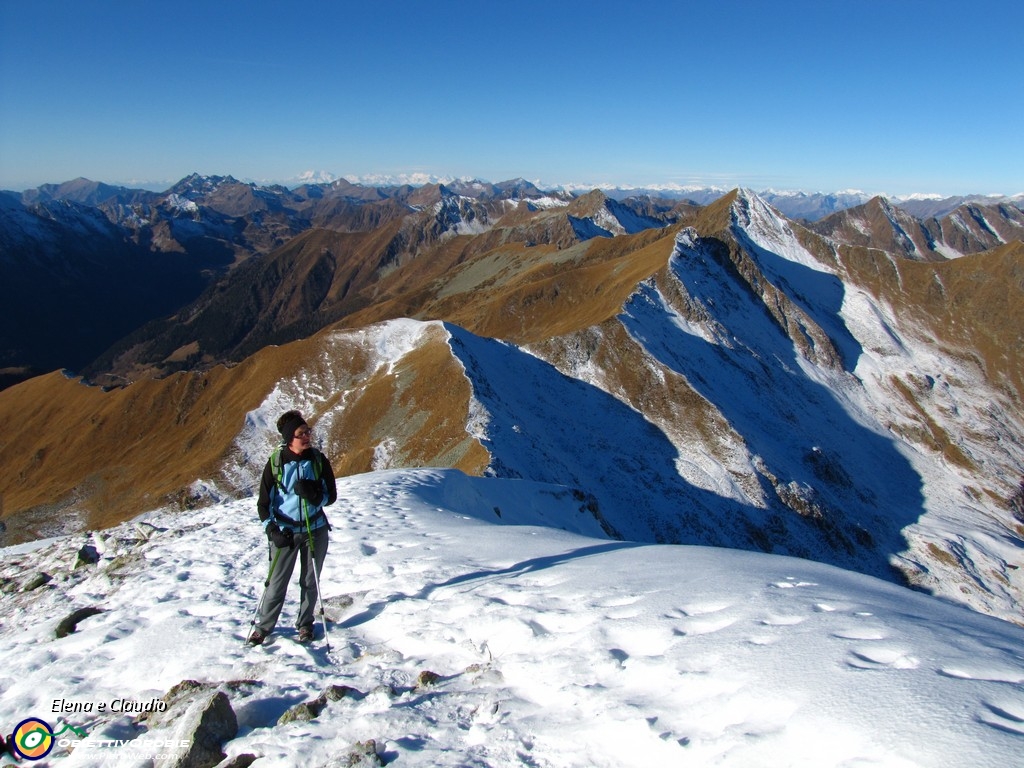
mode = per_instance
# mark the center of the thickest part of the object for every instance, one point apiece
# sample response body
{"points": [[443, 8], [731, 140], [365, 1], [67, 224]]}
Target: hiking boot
{"points": [[257, 637], [306, 634]]}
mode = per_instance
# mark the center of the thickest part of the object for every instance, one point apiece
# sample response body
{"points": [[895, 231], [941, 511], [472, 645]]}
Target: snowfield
{"points": [[550, 646]]}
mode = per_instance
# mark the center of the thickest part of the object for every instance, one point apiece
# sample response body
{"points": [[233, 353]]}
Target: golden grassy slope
{"points": [[108, 455], [105, 454], [973, 306]]}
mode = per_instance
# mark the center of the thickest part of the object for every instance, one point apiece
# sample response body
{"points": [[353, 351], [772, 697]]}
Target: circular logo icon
{"points": [[32, 739]]}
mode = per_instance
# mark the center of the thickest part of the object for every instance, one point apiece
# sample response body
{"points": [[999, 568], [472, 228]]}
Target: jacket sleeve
{"points": [[267, 483], [329, 481]]}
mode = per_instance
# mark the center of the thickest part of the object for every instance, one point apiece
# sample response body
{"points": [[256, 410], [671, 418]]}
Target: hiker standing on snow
{"points": [[297, 484]]}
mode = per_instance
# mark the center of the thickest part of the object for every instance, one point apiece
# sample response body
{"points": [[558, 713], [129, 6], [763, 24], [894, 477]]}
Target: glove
{"points": [[279, 538], [310, 490]]}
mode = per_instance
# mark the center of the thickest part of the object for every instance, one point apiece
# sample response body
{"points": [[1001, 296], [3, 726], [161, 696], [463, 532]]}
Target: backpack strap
{"points": [[277, 469], [277, 466]]}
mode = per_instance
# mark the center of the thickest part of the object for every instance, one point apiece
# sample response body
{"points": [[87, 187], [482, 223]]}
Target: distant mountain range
{"points": [[112, 259], [794, 204], [846, 389]]}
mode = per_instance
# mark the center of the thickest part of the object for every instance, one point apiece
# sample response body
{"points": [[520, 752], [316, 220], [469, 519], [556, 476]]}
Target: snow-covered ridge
{"points": [[829, 384], [182, 204], [548, 202], [313, 386], [755, 221], [461, 634]]}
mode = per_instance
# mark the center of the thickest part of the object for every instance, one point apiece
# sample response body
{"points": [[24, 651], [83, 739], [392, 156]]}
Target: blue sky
{"points": [[893, 96]]}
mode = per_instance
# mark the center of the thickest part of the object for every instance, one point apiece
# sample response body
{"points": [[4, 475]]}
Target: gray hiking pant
{"points": [[273, 599]]}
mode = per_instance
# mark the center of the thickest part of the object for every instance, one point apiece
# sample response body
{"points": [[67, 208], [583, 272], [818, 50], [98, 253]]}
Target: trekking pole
{"points": [[259, 605], [316, 576]]}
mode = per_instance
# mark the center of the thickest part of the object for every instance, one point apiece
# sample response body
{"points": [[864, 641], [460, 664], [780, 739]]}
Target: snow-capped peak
{"points": [[181, 204], [758, 222]]}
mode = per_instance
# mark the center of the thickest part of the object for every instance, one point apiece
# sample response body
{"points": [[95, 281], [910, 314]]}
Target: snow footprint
{"points": [[993, 673], [703, 625], [1004, 715], [701, 608], [700, 618], [877, 655], [632, 640], [882, 657], [619, 601], [620, 607], [792, 583], [860, 633]]}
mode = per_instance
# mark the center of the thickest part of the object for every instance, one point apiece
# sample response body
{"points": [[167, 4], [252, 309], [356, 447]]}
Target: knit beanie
{"points": [[288, 423]]}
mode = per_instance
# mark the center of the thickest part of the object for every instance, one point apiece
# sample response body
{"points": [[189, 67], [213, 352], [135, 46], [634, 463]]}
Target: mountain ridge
{"points": [[777, 390]]}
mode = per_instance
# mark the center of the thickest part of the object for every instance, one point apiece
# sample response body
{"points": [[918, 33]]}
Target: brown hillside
{"points": [[523, 294], [97, 457], [974, 304], [324, 275]]}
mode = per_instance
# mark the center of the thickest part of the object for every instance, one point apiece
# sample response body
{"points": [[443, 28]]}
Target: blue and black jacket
{"points": [[279, 503]]}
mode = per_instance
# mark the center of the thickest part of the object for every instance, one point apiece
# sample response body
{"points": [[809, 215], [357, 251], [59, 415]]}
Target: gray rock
{"points": [[207, 723], [335, 607], [87, 555], [309, 710], [69, 623], [302, 713], [426, 679], [36, 581], [239, 761], [362, 754]]}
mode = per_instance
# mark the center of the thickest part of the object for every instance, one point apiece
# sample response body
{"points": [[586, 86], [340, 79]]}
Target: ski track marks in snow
{"points": [[552, 649]]}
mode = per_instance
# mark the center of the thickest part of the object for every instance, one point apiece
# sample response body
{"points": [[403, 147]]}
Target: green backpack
{"points": [[277, 467]]}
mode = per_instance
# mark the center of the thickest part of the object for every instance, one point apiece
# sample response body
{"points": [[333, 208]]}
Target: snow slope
{"points": [[553, 648]]}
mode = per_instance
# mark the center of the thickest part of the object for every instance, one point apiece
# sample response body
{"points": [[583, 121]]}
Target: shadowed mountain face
{"points": [[390, 268], [717, 375], [74, 281]]}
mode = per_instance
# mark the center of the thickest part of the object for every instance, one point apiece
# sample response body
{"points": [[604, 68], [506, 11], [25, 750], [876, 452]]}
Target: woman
{"points": [[297, 483]]}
